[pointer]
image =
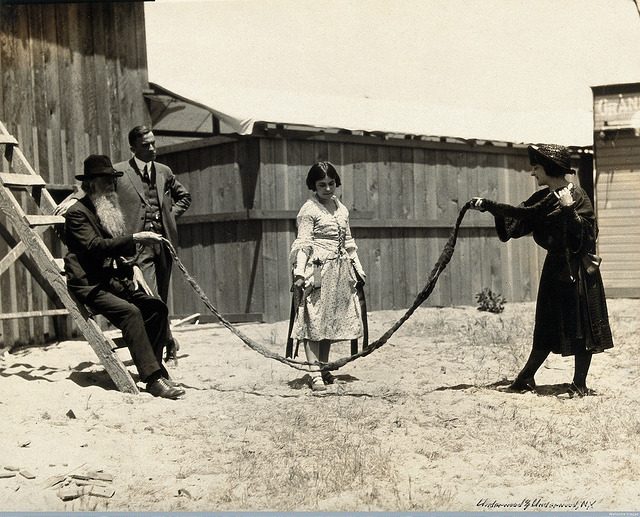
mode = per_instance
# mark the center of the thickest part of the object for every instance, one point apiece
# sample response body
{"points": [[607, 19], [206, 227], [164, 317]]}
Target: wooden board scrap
{"points": [[101, 491]]}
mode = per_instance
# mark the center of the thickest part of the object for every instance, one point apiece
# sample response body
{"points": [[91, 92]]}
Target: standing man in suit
{"points": [[152, 198], [101, 275]]}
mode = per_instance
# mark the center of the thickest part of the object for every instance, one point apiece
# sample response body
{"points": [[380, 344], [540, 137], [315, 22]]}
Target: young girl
{"points": [[326, 272]]}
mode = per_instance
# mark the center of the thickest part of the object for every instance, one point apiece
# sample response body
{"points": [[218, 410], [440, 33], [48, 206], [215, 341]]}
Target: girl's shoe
{"points": [[328, 377], [317, 384]]}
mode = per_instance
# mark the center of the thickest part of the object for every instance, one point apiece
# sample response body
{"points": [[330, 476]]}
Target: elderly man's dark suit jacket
{"points": [[92, 278], [174, 199], [92, 251]]}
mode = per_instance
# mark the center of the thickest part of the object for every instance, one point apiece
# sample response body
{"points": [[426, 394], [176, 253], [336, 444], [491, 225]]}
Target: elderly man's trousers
{"points": [[143, 321]]}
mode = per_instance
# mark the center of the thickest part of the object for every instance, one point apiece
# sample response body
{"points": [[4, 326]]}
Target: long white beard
{"points": [[110, 214]]}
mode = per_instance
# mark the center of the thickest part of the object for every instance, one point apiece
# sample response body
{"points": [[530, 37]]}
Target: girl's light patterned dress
{"points": [[325, 254]]}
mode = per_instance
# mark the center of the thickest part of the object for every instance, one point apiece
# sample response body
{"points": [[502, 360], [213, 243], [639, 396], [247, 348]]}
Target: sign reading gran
{"points": [[619, 111]]}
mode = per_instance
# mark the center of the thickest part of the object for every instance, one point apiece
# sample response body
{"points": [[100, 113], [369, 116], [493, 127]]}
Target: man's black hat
{"points": [[98, 165]]}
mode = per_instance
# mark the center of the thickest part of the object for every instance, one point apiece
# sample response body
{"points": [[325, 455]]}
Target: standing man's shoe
{"points": [[161, 388]]}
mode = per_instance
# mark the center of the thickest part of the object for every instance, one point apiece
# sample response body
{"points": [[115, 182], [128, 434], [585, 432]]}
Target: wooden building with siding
{"points": [[617, 185], [72, 82]]}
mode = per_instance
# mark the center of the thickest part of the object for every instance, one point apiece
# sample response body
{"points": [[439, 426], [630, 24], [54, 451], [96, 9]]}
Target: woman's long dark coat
{"points": [[571, 310]]}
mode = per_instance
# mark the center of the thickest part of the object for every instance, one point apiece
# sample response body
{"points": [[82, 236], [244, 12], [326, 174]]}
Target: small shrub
{"points": [[490, 301]]}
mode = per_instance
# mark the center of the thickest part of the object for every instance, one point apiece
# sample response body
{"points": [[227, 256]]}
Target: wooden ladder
{"points": [[46, 269]]}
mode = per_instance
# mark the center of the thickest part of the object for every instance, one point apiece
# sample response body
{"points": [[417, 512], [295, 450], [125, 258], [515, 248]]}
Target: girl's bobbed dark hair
{"points": [[320, 170]]}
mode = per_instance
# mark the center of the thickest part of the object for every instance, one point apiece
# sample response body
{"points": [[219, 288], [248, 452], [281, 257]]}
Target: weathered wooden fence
{"points": [[403, 194]]}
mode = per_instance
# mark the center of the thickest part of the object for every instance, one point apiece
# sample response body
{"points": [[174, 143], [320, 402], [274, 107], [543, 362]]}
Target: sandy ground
{"points": [[420, 424]]}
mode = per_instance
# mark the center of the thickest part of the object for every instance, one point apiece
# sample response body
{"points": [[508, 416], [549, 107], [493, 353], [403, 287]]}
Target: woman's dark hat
{"points": [[557, 155], [98, 165]]}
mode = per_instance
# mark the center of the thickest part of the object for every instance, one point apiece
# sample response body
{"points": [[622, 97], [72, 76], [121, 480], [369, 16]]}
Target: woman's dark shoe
{"points": [[161, 388], [522, 385], [579, 391]]}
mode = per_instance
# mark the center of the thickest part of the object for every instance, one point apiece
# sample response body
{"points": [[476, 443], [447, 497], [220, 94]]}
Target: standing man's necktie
{"points": [[145, 173]]}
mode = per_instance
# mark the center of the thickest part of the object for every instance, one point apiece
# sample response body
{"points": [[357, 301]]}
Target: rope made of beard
{"points": [[440, 265]]}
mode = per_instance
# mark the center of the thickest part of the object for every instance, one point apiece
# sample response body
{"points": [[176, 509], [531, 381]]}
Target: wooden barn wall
{"points": [[404, 197], [72, 81], [618, 208]]}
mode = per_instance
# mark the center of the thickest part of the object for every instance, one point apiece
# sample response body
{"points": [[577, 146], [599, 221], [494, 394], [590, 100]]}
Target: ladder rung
{"points": [[44, 220], [8, 139], [64, 187], [33, 314], [21, 180]]}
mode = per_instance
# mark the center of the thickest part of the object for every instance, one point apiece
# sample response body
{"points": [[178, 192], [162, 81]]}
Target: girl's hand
{"points": [[296, 289], [298, 283]]}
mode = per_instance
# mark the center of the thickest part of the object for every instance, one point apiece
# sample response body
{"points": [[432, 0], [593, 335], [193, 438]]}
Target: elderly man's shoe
{"points": [[161, 388], [173, 384]]}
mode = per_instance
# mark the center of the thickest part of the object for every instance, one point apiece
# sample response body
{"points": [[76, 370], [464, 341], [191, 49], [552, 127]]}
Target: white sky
{"points": [[515, 70]]}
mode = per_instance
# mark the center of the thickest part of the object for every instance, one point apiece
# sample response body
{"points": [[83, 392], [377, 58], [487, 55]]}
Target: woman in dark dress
{"points": [[571, 310]]}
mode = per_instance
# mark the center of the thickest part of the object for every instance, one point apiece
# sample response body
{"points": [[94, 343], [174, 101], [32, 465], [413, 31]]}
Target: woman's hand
{"points": [[565, 197], [478, 203]]}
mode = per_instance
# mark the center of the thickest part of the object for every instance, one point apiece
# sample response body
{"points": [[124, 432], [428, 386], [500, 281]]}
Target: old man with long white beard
{"points": [[101, 277]]}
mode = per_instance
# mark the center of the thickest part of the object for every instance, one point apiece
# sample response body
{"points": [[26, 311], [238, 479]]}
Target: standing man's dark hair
{"points": [[136, 133], [151, 198]]}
